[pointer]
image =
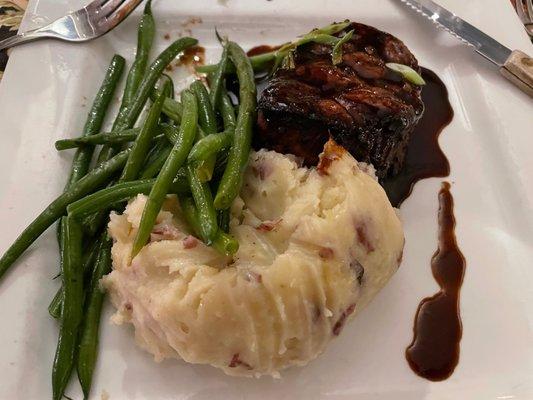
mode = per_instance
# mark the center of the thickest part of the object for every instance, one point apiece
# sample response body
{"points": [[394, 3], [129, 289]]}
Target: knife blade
{"points": [[514, 65]]}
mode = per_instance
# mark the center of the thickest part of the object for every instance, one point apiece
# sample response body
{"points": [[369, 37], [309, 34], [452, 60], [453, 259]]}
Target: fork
{"points": [[94, 20], [525, 13]]}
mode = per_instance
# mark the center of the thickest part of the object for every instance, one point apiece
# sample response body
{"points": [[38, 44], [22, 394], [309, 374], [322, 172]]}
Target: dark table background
{"points": [[11, 13]]}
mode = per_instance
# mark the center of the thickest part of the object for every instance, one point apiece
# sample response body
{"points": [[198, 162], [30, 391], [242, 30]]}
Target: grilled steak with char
{"points": [[367, 108]]}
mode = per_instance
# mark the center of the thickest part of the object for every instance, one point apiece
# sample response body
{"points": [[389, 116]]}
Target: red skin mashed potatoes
{"points": [[315, 246]]}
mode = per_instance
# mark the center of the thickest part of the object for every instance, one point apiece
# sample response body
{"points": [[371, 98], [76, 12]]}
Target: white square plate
{"points": [[45, 94]]}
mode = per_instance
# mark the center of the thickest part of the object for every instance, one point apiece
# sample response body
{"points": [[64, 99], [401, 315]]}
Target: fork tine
{"points": [[122, 11], [95, 4], [529, 4], [520, 11], [110, 6]]}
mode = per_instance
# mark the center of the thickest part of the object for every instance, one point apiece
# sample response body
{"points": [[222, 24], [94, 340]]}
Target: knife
{"points": [[515, 65]]}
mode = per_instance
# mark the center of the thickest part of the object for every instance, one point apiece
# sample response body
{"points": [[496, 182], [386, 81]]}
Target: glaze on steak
{"points": [[367, 108]]}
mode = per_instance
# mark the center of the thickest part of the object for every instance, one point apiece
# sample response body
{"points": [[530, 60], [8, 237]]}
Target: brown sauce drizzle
{"points": [[434, 352], [261, 49], [194, 55], [424, 157]]}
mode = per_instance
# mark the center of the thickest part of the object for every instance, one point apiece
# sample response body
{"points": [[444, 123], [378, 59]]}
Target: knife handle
{"points": [[519, 70]]}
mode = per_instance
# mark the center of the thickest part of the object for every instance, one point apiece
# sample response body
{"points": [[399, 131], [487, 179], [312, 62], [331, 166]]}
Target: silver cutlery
{"points": [[524, 9], [94, 20], [514, 65]]}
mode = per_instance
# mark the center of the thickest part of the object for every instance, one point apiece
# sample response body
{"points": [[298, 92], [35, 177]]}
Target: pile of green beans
{"points": [[109, 138], [196, 148], [175, 160], [231, 181]]}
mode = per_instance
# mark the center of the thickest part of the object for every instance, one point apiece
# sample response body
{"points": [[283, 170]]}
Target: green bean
{"points": [[88, 345], [217, 80], [171, 108], [171, 132], [191, 215], [231, 181], [223, 217], [160, 145], [113, 137], [172, 93], [54, 308], [93, 223], [227, 111], [333, 28], [175, 160], [108, 196], [263, 62], [61, 244], [209, 146], [129, 114], [180, 184], [206, 169], [223, 243], [140, 147], [165, 118], [208, 124], [154, 165], [260, 62], [82, 158], [119, 193], [72, 310], [203, 199], [89, 257], [207, 118], [145, 38], [94, 179]]}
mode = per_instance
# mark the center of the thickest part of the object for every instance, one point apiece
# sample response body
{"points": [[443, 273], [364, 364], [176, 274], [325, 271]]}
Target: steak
{"points": [[364, 106]]}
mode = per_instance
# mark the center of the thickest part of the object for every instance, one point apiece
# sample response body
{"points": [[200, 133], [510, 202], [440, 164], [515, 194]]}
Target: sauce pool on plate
{"points": [[424, 158], [434, 352]]}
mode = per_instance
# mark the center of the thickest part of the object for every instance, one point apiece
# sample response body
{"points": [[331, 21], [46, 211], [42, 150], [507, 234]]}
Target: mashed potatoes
{"points": [[315, 246]]}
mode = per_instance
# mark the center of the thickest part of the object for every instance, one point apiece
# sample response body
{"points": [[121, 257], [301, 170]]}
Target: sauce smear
{"points": [[424, 158], [434, 351], [194, 55], [261, 49]]}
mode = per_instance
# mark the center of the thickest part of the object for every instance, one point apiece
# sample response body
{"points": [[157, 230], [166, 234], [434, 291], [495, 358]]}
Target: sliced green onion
{"points": [[336, 54], [288, 61], [284, 56], [332, 28], [272, 60], [407, 72]]}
